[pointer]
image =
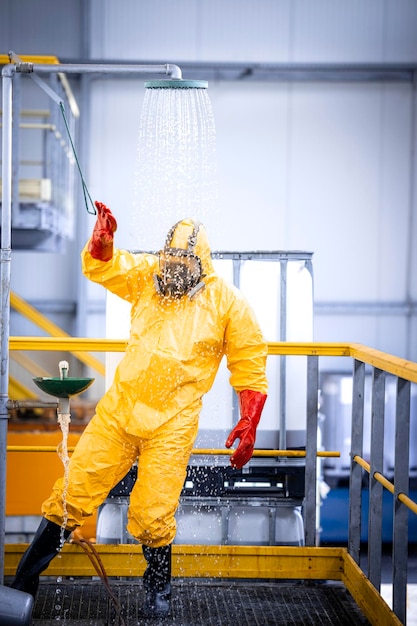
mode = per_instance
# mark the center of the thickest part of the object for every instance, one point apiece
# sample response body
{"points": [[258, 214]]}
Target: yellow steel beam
{"points": [[390, 363], [45, 60], [63, 342], [18, 391], [30, 365], [308, 348], [366, 596], [197, 561], [66, 343], [387, 362]]}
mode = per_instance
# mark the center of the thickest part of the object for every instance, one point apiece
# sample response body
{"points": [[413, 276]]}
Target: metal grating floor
{"points": [[197, 602]]}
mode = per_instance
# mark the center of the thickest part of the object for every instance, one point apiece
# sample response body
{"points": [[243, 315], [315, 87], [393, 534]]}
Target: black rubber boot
{"points": [[44, 547], [157, 581]]}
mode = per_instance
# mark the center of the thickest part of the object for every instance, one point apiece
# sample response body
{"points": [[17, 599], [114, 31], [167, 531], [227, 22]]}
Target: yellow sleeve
{"points": [[245, 348], [123, 275]]}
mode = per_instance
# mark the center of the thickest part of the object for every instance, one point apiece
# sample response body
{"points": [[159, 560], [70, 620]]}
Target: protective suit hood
{"points": [[182, 233], [181, 270]]}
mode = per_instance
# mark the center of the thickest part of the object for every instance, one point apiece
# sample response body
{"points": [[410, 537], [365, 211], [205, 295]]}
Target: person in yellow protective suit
{"points": [[184, 319]]}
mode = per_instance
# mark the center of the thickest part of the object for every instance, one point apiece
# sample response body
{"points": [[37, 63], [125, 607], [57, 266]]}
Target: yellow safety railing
{"points": [[363, 591], [401, 368]]}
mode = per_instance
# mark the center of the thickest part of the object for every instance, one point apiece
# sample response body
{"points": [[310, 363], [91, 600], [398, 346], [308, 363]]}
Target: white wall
{"points": [[327, 167], [263, 31]]}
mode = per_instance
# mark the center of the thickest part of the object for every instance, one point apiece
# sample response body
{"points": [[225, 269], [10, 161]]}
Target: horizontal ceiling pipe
{"points": [[25, 67], [173, 71], [298, 72]]}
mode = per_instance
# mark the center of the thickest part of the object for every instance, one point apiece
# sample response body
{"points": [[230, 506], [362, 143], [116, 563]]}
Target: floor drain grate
{"points": [[195, 602]]}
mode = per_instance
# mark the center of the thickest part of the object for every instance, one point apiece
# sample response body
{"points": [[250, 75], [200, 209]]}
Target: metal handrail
{"points": [[376, 358], [198, 451], [402, 497]]}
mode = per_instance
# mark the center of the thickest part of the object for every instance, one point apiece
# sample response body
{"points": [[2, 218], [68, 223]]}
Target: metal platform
{"points": [[199, 601]]}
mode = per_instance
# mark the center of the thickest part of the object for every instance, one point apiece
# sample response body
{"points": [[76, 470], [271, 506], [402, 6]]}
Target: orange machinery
{"points": [[31, 474]]}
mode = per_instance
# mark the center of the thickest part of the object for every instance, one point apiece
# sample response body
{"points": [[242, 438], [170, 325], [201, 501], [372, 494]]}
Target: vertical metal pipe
{"points": [[355, 485], [16, 112], [411, 217], [375, 488], [311, 450], [236, 281], [7, 82], [83, 217], [55, 150], [401, 485], [283, 358]]}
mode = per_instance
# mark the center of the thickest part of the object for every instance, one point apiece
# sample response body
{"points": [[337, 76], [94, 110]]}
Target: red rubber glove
{"points": [[251, 404], [100, 245]]}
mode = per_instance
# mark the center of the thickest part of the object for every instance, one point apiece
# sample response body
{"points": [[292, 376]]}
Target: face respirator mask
{"points": [[180, 270]]}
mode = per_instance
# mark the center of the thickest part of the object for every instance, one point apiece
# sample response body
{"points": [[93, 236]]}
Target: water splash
{"points": [[176, 163]]}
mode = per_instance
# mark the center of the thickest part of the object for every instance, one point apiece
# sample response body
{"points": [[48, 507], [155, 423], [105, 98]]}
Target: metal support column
{"points": [[283, 358], [235, 398], [375, 487], [401, 483], [311, 450], [355, 486], [6, 245]]}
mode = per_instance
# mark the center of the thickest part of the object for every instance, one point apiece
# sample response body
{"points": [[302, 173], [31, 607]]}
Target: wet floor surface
{"points": [[198, 602]]}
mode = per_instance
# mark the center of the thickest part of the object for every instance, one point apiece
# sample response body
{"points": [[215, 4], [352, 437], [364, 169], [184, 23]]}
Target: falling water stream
{"points": [[176, 163], [64, 419]]}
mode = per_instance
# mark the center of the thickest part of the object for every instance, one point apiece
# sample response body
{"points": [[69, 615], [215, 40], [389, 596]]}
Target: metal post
{"points": [[80, 329], [401, 484], [283, 358], [375, 488], [355, 486], [235, 399], [16, 111], [311, 450], [7, 82]]}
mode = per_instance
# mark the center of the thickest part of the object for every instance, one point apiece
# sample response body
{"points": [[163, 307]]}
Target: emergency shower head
{"points": [[175, 83]]}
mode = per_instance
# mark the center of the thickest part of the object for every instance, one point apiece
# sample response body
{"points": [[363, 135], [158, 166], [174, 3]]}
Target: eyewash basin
{"points": [[63, 387]]}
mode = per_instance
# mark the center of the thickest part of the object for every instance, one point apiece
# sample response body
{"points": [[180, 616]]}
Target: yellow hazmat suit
{"points": [[150, 413]]}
